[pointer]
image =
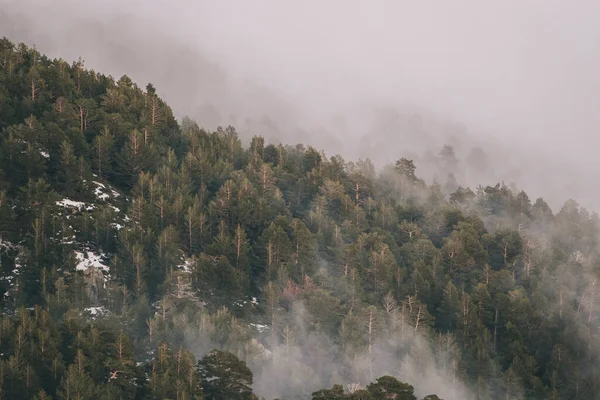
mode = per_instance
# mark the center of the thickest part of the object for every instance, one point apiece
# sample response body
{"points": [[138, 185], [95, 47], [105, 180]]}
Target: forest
{"points": [[142, 257]]}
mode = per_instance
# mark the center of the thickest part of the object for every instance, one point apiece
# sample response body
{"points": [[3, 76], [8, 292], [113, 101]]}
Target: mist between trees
{"points": [[129, 237], [533, 121]]}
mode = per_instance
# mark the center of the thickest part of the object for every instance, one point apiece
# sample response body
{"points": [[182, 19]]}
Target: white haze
{"points": [[350, 76], [310, 361], [306, 360], [378, 79]]}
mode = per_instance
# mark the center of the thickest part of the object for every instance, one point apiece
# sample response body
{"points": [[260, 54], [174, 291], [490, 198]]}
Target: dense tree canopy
{"points": [[132, 245], [224, 376]]}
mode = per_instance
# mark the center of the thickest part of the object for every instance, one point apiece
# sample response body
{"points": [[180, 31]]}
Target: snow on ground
{"points": [[102, 192], [15, 272], [44, 154], [90, 260], [8, 278], [186, 266], [67, 203], [70, 203], [242, 303], [5, 244], [100, 195], [96, 311], [260, 327], [69, 240], [17, 264]]}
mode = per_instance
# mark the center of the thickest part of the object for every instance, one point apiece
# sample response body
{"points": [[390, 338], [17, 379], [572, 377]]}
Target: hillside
{"points": [[133, 244]]}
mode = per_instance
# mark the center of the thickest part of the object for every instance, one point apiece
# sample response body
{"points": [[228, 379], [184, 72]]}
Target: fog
{"points": [[378, 79], [305, 360], [374, 80]]}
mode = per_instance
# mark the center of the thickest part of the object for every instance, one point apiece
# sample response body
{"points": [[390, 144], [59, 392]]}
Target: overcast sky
{"points": [[523, 72], [526, 69]]}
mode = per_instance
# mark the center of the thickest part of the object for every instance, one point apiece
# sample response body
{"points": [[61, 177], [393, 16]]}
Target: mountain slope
{"points": [[136, 244]]}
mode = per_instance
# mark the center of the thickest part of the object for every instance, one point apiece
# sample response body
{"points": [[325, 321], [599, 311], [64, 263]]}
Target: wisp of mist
{"points": [[381, 80]]}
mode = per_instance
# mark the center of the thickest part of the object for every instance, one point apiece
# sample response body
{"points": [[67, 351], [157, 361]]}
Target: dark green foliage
{"points": [[385, 387], [224, 376], [335, 393], [389, 387], [198, 236]]}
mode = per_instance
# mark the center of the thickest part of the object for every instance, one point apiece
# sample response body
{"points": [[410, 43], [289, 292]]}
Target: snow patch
{"points": [[102, 192], [67, 203], [260, 327], [96, 311], [69, 240], [17, 264], [8, 278], [186, 266], [70, 203], [100, 195], [5, 244], [15, 272], [90, 260], [242, 303], [44, 154]]}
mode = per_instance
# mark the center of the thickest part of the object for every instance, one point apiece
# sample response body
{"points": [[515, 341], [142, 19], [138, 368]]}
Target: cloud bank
{"points": [[364, 80]]}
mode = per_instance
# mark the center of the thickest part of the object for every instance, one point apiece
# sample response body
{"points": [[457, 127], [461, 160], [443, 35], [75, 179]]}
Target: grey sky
{"points": [[526, 68], [522, 73]]}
